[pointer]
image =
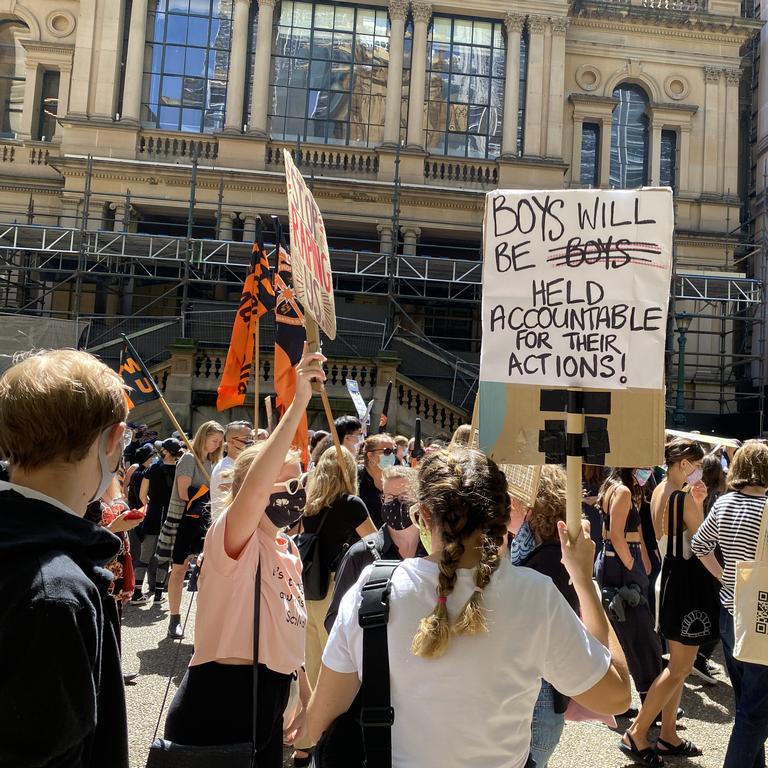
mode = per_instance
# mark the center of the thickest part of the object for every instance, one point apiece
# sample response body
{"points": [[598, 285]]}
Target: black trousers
{"points": [[214, 705]]}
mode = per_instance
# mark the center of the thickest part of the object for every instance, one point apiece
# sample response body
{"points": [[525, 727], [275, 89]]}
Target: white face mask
{"points": [[107, 474]]}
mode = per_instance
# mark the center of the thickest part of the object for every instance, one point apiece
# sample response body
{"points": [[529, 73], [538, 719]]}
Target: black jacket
{"points": [[62, 703], [377, 546]]}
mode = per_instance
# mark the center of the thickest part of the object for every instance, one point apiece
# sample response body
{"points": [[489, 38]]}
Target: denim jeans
{"points": [[746, 748], [546, 727]]}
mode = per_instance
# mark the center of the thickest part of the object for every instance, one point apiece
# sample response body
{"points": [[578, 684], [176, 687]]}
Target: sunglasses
{"points": [[385, 451], [294, 485], [387, 498]]}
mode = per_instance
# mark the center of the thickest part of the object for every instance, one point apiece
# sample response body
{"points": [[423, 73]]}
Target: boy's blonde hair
{"points": [[55, 404], [202, 434]]}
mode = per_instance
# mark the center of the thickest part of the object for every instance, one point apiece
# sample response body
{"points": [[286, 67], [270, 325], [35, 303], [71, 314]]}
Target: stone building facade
{"points": [[141, 119]]}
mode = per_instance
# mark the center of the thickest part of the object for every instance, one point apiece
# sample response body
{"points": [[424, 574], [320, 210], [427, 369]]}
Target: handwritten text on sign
{"points": [[312, 277], [576, 287]]}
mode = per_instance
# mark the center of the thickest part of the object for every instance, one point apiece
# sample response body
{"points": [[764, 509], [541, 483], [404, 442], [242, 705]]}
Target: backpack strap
{"points": [[376, 715]]}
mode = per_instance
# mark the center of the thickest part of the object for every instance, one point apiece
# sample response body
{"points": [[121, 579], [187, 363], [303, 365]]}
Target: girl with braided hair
{"points": [[467, 627]]}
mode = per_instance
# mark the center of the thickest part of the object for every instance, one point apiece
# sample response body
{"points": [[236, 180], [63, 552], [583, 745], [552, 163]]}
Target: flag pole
{"points": [[166, 407], [256, 373], [313, 344], [268, 409]]}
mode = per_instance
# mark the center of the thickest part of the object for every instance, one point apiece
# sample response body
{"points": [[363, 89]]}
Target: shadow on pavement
{"points": [[136, 616], [167, 657]]}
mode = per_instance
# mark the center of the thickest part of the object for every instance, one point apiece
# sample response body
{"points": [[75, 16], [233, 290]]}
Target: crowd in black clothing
{"points": [[87, 518]]}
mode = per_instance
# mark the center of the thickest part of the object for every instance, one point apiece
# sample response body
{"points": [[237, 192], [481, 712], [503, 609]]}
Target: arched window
{"points": [[186, 64], [12, 77], [629, 138], [329, 73]]}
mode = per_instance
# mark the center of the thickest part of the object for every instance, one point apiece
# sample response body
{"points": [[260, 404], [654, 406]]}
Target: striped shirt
{"points": [[734, 525]]}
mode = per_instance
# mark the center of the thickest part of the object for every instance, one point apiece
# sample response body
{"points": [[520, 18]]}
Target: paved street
{"points": [[148, 652]]}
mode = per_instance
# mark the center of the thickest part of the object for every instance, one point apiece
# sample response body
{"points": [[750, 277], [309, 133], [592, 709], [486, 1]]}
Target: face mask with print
{"points": [[107, 474], [387, 461], [285, 509], [642, 476], [695, 476], [395, 514]]}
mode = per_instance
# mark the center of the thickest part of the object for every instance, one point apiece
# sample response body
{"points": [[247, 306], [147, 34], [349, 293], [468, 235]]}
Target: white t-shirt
{"points": [[472, 707], [218, 495]]}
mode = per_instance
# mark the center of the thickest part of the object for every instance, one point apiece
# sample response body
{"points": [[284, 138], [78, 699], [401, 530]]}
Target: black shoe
{"points": [[175, 632], [158, 595], [630, 714], [680, 716], [130, 678], [705, 669]]}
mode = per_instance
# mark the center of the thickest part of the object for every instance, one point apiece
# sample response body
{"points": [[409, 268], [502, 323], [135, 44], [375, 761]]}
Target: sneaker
{"points": [[140, 599], [159, 596], [705, 669]]}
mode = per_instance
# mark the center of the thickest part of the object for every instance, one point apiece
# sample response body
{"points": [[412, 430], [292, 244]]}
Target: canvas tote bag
{"points": [[750, 603]]}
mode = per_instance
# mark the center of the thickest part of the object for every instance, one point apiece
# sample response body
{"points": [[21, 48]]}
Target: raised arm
{"points": [[247, 508]]}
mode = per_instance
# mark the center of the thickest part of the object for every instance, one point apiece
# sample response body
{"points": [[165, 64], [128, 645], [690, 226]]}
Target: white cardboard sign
{"points": [[576, 287], [354, 392]]}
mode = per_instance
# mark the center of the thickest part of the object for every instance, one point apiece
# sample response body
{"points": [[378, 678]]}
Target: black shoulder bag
{"points": [[166, 754], [689, 607], [362, 736], [315, 574]]}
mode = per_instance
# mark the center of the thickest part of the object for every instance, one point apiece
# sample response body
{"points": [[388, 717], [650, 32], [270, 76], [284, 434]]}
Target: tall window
{"points": [[11, 78], [668, 159], [590, 155], [465, 87], [629, 138], [522, 90], [186, 65], [47, 106], [329, 73]]}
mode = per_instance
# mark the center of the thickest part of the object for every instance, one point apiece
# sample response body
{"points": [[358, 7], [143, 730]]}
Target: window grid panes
{"points": [[669, 159], [590, 155], [465, 87], [329, 74], [186, 64], [629, 138], [12, 78]]}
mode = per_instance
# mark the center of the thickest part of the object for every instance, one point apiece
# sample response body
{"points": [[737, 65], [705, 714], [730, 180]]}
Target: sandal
{"points": [[685, 748], [647, 756], [301, 762]]}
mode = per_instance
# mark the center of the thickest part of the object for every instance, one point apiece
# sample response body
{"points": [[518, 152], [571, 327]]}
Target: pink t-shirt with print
{"points": [[224, 623]]}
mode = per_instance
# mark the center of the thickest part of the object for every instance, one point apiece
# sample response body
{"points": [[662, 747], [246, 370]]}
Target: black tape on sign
{"points": [[552, 442], [575, 401], [597, 442]]}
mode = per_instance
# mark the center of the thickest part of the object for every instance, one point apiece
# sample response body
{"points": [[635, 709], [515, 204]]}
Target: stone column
{"points": [[559, 27], [257, 123], [398, 11], [605, 152], [385, 238], [238, 63], [731, 158], [685, 152], [711, 120], [532, 141], [249, 228], [422, 13], [134, 63], [514, 24], [31, 95], [410, 239], [655, 175], [65, 80], [226, 225]]}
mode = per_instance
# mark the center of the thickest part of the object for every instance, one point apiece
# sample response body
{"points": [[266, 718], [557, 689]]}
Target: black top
{"points": [[371, 496], [361, 554], [337, 533], [160, 477], [61, 687], [134, 500], [632, 524]]}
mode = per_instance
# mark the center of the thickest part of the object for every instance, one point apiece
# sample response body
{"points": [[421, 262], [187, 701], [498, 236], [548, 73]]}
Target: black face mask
{"points": [[395, 514], [285, 509]]}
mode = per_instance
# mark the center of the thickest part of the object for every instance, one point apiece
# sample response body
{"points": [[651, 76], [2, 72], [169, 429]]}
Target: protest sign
{"points": [[354, 392], [575, 295], [311, 261]]}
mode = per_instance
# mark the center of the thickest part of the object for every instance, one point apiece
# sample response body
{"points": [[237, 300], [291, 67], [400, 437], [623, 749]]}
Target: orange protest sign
{"points": [[312, 277]]}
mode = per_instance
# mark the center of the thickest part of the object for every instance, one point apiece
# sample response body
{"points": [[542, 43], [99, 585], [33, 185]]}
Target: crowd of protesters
{"points": [[494, 614]]}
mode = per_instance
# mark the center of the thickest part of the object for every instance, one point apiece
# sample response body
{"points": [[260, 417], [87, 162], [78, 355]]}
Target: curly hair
{"points": [[749, 467], [464, 491], [549, 506]]}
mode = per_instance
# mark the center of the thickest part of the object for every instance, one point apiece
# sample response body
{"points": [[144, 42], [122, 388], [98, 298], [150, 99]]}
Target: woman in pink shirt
{"points": [[214, 703]]}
